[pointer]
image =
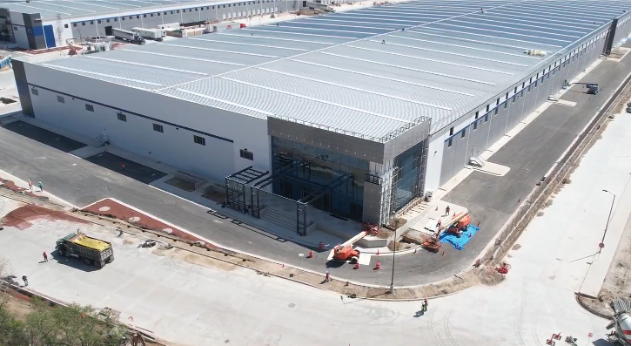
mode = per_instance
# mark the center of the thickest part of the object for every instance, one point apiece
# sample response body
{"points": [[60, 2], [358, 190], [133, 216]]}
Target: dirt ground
{"points": [[20, 305], [617, 282]]}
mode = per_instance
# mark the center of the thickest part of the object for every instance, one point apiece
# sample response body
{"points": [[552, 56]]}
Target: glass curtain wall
{"points": [[409, 175], [325, 167]]}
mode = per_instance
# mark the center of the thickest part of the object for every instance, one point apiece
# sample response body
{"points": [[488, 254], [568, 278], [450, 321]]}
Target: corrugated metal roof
{"points": [[51, 9], [368, 72]]}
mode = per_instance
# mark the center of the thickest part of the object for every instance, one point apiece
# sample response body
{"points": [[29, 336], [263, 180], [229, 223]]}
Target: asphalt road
{"points": [[492, 199]]}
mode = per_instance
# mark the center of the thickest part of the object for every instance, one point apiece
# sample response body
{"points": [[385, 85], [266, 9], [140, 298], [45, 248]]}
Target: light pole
{"points": [[391, 290], [607, 221]]}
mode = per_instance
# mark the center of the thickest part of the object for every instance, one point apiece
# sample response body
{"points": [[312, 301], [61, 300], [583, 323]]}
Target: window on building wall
{"points": [[487, 108], [74, 25], [151, 14], [34, 92], [144, 16], [463, 133], [65, 26], [122, 18], [212, 7], [99, 21], [158, 128], [451, 131], [476, 115], [449, 142], [506, 103], [486, 117], [245, 154], [496, 111], [171, 12], [475, 126], [116, 19], [166, 13], [199, 140], [89, 108], [107, 20], [60, 99], [121, 116], [83, 23]]}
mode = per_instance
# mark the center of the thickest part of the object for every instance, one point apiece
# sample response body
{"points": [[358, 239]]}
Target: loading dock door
{"points": [[49, 36], [108, 31]]}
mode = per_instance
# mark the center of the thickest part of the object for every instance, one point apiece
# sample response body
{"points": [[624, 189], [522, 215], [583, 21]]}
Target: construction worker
{"points": [[425, 304], [45, 256], [30, 185], [447, 210], [25, 279], [41, 186]]}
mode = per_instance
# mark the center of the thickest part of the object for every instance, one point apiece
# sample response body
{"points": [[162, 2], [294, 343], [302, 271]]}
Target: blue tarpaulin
{"points": [[459, 242]]}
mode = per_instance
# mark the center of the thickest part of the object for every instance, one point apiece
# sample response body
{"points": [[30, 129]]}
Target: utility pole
{"points": [[391, 290], [601, 245]]}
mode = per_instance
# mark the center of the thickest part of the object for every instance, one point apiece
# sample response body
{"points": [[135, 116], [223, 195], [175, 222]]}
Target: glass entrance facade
{"points": [[306, 170]]}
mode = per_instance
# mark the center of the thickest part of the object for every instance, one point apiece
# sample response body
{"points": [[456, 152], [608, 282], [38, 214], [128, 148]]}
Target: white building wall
{"points": [[433, 163], [175, 146]]}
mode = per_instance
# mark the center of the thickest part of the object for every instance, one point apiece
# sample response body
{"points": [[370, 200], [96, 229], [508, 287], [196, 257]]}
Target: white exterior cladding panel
{"points": [[175, 146]]}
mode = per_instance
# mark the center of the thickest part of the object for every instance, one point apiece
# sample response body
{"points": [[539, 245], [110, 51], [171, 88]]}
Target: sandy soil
{"points": [[617, 282]]}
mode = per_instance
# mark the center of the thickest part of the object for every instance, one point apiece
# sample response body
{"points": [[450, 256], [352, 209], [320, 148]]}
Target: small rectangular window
{"points": [[244, 153], [475, 126], [171, 12], [496, 111], [486, 117], [138, 16], [497, 102], [122, 18], [144, 16], [476, 115], [65, 26], [74, 25], [463, 133], [89, 108], [92, 22], [34, 92], [199, 140], [449, 142], [487, 109], [116, 19], [83, 23], [99, 21], [158, 128], [121, 116], [506, 103], [151, 14], [451, 131], [107, 20], [60, 99]]}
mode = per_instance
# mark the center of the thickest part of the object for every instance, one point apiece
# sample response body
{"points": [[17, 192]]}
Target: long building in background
{"points": [[52, 23], [354, 113]]}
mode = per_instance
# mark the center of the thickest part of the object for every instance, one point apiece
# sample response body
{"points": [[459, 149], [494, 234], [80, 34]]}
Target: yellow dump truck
{"points": [[90, 250]]}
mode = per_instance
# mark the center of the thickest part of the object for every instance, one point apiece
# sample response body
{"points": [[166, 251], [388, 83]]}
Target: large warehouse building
{"points": [[41, 24], [353, 113]]}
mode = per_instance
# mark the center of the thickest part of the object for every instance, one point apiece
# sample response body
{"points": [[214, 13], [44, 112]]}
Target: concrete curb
{"points": [[578, 298]]}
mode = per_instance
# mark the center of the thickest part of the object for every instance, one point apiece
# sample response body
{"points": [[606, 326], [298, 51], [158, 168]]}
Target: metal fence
{"points": [[538, 197]]}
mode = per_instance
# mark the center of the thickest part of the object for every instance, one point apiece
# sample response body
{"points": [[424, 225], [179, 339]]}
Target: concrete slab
{"points": [[493, 169], [126, 167], [196, 302], [429, 222], [46, 137]]}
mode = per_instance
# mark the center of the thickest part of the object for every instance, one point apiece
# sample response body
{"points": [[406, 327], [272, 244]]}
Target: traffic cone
{"points": [[321, 246], [310, 254], [377, 265], [436, 208], [356, 266], [443, 253], [478, 224], [378, 252]]}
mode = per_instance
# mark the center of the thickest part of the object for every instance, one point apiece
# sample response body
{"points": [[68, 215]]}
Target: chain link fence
{"points": [[547, 186]]}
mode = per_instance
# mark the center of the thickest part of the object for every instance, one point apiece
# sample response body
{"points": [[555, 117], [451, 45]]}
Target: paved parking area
{"points": [[126, 167], [43, 136]]}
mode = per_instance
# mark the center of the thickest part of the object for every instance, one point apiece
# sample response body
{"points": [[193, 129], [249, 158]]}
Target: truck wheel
{"points": [[62, 252], [99, 264], [88, 261], [110, 259]]}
